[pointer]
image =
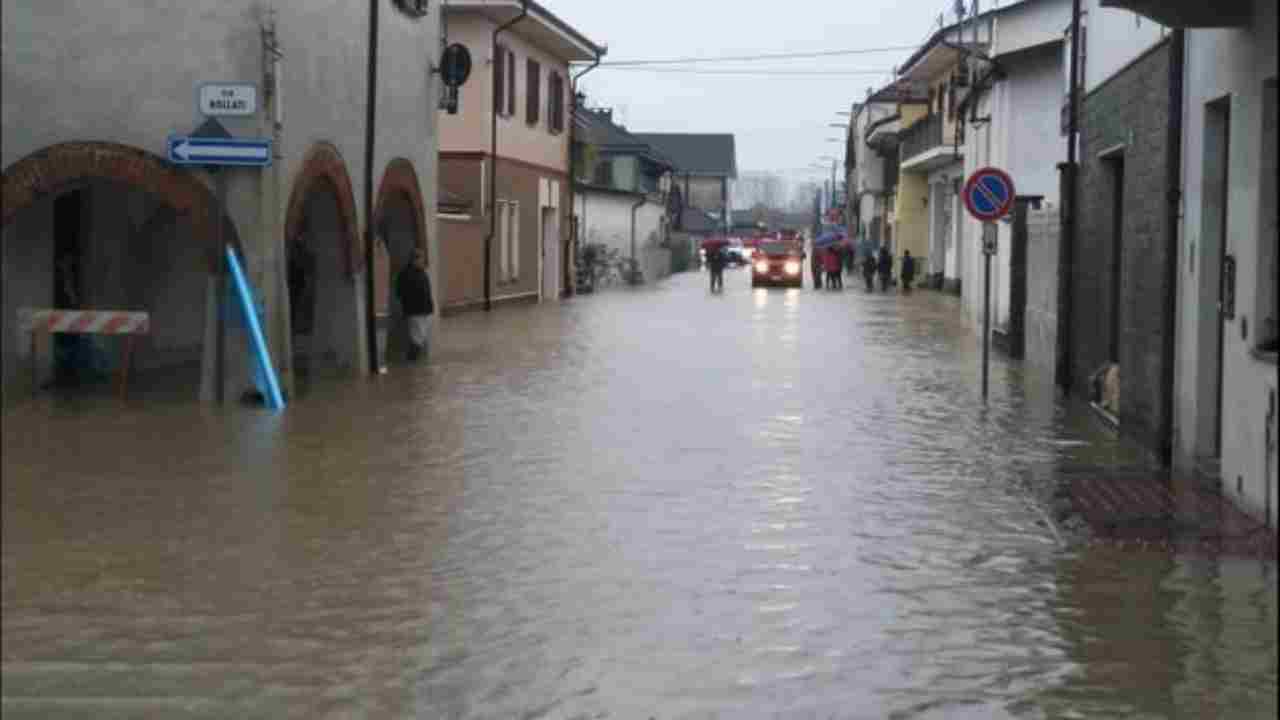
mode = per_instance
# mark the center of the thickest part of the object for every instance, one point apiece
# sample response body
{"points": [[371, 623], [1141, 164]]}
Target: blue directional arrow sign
{"points": [[187, 150]]}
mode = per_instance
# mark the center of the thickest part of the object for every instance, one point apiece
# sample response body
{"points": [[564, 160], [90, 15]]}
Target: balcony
{"points": [[883, 134], [923, 148], [1190, 13]]}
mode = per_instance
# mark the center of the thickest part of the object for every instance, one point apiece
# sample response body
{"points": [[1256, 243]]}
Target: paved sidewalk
{"points": [[1152, 506]]}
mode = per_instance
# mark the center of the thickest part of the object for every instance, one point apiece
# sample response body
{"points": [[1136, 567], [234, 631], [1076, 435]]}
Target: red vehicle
{"points": [[778, 262]]}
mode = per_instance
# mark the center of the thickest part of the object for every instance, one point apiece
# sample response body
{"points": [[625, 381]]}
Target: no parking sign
{"points": [[988, 194]]}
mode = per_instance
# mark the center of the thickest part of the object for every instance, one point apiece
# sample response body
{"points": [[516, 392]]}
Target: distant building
{"points": [[620, 191], [705, 168]]}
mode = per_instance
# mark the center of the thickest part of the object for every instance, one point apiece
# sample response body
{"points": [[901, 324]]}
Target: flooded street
{"points": [[652, 503]]}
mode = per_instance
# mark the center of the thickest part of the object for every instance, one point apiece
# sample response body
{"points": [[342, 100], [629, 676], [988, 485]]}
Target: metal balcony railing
{"points": [[924, 134]]}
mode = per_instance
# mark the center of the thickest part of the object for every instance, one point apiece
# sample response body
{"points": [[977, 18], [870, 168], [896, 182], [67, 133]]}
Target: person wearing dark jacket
{"points": [[869, 271], [716, 261], [908, 270], [413, 286], [885, 266]]}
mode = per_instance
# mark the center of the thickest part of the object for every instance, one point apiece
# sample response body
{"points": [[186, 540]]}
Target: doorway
{"points": [[1115, 166], [1217, 153], [549, 255]]}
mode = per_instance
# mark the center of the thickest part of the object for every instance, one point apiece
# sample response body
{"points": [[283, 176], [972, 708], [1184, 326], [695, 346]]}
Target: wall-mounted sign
{"points": [[228, 99], [191, 150], [455, 65]]}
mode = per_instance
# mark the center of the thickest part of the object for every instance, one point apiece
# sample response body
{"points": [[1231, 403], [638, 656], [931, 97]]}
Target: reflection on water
{"points": [[653, 503]]}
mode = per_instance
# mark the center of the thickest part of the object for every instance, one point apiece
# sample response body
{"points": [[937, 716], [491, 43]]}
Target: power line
{"points": [[761, 73], [760, 56]]}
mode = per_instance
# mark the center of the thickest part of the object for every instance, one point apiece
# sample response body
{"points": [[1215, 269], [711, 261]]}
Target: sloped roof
{"points": [[697, 153], [941, 34], [597, 127]]}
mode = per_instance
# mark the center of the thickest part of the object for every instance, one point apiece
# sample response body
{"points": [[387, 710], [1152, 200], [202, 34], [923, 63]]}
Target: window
{"points": [[533, 91], [500, 79], [504, 81], [555, 103], [511, 83], [508, 241]]}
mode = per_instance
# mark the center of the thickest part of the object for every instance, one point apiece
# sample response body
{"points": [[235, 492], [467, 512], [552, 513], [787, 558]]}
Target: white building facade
{"points": [[1226, 371]]}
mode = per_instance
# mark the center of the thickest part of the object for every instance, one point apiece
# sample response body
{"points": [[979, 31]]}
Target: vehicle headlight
{"points": [[792, 267], [762, 267]]}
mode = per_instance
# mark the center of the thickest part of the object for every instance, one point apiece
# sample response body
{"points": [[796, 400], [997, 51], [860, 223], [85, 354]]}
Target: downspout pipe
{"points": [[493, 158], [370, 118], [1173, 160], [1062, 364], [573, 181]]}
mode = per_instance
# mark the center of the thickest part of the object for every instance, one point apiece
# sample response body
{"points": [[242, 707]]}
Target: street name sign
{"points": [[988, 194], [187, 150], [228, 99]]}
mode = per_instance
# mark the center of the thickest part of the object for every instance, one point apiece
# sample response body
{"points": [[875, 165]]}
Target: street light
{"points": [[842, 126]]}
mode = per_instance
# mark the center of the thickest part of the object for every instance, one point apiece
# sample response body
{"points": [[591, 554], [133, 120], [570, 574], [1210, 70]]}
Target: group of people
{"points": [[829, 262], [882, 264]]}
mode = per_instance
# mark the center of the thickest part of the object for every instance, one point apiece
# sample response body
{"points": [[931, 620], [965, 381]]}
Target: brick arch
{"points": [[323, 165], [63, 166], [400, 179]]}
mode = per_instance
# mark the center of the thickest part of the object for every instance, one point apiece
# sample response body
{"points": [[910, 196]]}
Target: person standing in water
{"points": [[885, 266], [908, 270]]}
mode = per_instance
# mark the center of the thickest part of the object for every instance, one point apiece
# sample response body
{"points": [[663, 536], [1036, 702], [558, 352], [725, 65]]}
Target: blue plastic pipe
{"points": [[275, 400]]}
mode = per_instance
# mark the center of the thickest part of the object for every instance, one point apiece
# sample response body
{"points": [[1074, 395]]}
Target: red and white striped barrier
{"points": [[87, 322]]}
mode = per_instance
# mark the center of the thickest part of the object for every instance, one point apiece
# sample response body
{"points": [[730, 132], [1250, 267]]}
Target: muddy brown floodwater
{"points": [[654, 503]]}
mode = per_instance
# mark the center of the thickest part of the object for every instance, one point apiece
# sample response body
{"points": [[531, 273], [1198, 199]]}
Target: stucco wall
{"points": [[606, 218], [462, 254], [911, 227], [1231, 63], [468, 131], [128, 74], [1029, 24], [1044, 233], [1023, 138]]}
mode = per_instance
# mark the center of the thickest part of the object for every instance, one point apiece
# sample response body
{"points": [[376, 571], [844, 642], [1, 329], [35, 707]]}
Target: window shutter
{"points": [[533, 91], [555, 113], [499, 79], [511, 83]]}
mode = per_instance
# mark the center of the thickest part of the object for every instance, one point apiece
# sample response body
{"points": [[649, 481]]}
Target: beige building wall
{"points": [[469, 129]]}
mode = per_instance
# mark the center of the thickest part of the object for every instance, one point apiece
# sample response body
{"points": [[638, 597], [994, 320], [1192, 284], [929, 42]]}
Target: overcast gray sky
{"points": [[780, 122]]}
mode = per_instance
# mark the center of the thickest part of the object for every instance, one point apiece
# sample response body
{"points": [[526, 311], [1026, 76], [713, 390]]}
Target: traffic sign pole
{"points": [[988, 242], [988, 196]]}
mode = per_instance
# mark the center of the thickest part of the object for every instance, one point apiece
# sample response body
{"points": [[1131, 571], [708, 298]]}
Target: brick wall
{"points": [[1129, 111]]}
